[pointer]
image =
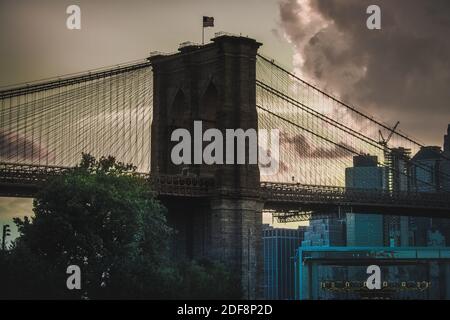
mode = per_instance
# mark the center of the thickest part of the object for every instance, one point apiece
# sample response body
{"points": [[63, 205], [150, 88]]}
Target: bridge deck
{"points": [[24, 180]]}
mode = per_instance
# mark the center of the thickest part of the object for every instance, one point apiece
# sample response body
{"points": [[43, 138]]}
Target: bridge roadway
{"points": [[23, 181]]}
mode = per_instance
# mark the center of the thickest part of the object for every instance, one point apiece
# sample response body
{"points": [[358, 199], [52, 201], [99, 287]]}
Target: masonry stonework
{"points": [[215, 84]]}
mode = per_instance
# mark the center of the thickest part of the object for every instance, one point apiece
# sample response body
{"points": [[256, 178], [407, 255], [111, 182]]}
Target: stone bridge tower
{"points": [[215, 84]]}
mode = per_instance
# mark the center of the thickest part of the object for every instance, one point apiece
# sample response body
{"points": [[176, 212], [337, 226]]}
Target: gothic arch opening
{"points": [[209, 106], [178, 115], [207, 113]]}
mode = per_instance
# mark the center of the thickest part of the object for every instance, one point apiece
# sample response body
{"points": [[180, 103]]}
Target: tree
{"points": [[104, 218], [208, 280]]}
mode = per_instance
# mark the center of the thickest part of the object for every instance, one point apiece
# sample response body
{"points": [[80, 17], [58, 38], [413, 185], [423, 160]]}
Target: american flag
{"points": [[208, 22]]}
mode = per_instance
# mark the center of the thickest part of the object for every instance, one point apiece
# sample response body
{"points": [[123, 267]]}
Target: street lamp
{"points": [[6, 233]]}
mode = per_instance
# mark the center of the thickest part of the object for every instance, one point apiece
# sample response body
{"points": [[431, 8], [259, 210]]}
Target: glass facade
{"points": [[364, 229], [325, 232], [280, 246]]}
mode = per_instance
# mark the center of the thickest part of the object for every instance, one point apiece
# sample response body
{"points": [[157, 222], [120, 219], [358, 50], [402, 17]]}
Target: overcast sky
{"points": [[401, 72], [36, 43]]}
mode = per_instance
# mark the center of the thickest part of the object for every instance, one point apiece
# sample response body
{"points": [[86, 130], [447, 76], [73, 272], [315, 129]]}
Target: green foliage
{"points": [[104, 218], [207, 280]]}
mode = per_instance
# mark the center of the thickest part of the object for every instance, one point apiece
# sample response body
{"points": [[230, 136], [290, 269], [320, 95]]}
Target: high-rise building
{"points": [[365, 174], [446, 162], [398, 169], [280, 246], [447, 141], [325, 233], [429, 175], [419, 227], [397, 229], [427, 171], [446, 179], [364, 229], [435, 238]]}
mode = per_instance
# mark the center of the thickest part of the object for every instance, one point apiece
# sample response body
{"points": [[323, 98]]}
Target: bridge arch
{"points": [[178, 114], [209, 105]]}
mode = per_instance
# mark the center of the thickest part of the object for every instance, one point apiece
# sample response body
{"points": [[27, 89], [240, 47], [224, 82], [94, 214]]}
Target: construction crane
{"points": [[384, 142], [389, 159]]}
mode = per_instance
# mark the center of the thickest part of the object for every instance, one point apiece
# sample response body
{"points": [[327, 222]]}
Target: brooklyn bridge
{"points": [[129, 111]]}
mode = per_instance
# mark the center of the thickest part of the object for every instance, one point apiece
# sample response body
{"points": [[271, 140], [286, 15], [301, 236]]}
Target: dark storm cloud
{"points": [[304, 149], [401, 72]]}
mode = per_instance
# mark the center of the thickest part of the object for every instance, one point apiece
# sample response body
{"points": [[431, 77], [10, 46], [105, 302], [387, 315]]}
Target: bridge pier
{"points": [[190, 220], [224, 229], [215, 84], [237, 242]]}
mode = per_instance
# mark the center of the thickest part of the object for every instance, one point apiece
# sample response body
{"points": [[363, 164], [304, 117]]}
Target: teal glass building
{"points": [[280, 247]]}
